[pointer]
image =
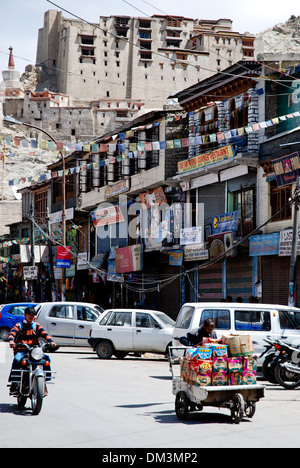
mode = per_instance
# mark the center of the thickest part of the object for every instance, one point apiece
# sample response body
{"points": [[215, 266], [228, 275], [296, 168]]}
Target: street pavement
{"points": [[129, 404]]}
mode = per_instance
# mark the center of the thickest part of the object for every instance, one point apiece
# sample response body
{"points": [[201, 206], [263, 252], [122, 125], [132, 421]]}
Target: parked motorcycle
{"points": [[287, 371], [31, 378], [270, 361], [282, 363]]}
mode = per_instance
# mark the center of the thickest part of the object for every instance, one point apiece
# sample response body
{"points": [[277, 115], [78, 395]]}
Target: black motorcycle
{"points": [[270, 361], [282, 363], [31, 378]]}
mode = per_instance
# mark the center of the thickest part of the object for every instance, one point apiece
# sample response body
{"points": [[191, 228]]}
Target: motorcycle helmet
{"points": [[30, 310]]}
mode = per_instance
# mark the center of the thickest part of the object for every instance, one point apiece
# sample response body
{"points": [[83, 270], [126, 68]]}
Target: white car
{"points": [[120, 331], [68, 323]]}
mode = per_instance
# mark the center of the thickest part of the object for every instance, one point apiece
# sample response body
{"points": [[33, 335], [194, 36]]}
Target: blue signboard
{"points": [[176, 257], [62, 263], [225, 222], [266, 244]]}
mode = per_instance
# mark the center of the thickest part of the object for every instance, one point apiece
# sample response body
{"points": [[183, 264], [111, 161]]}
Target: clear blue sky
{"points": [[21, 19]]}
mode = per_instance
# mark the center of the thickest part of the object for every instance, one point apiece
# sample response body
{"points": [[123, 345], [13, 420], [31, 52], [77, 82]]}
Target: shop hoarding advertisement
{"points": [[30, 273], [111, 272], [176, 258], [278, 243], [191, 235], [106, 215], [118, 187], [63, 257], [287, 169], [285, 243], [220, 244], [225, 222], [265, 244], [193, 253], [202, 160]]}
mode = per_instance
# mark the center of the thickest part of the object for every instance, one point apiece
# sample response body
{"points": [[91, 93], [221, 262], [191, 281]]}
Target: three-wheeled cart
{"points": [[240, 399]]}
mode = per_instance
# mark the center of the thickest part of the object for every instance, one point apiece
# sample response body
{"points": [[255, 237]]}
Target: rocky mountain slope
{"points": [[283, 38], [20, 164]]}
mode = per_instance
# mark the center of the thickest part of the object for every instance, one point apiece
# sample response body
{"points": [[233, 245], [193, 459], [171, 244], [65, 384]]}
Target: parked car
{"points": [[68, 323], [120, 331], [258, 320], [10, 314]]}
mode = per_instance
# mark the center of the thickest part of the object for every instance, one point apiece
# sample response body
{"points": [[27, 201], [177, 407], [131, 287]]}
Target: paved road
{"points": [[129, 403]]}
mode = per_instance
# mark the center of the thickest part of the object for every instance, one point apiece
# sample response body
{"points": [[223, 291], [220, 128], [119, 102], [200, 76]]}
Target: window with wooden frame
{"points": [[279, 201], [209, 127], [244, 202], [57, 188], [40, 206], [238, 117]]}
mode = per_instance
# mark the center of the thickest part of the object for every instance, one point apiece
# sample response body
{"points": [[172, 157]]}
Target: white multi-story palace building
{"points": [[134, 58]]}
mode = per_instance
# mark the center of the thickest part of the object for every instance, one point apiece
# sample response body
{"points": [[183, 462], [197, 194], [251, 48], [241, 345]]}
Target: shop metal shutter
{"points": [[275, 279], [239, 276], [210, 283], [276, 276]]}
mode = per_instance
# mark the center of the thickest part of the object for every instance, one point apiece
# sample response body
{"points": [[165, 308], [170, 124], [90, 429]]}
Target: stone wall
{"points": [[10, 212]]}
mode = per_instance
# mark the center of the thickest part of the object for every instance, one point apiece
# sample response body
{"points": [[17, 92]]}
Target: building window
{"points": [[145, 24], [57, 188], [244, 202], [89, 40], [40, 207], [87, 52], [146, 55], [279, 198]]}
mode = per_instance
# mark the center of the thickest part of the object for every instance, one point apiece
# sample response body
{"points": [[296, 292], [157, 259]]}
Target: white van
{"points": [[258, 320]]}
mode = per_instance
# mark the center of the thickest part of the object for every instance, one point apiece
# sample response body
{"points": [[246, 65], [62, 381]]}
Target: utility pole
{"points": [[292, 281], [32, 246], [52, 278], [11, 120]]}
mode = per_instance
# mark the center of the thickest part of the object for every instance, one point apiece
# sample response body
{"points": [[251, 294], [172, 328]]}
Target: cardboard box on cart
{"points": [[238, 345]]}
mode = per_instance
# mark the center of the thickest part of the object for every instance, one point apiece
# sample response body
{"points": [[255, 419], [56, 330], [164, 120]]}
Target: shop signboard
{"points": [[57, 216], [111, 272], [193, 253], [63, 257], [202, 160], [176, 258], [220, 244], [30, 273], [70, 272], [287, 169], [191, 235], [117, 188], [225, 222], [285, 243], [82, 261], [129, 259], [155, 197], [265, 244], [106, 215]]}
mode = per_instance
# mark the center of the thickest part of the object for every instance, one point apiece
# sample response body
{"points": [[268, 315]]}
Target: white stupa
{"points": [[11, 89], [11, 84]]}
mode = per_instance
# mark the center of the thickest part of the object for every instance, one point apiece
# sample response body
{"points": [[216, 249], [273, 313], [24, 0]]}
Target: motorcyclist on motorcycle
{"points": [[27, 332]]}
